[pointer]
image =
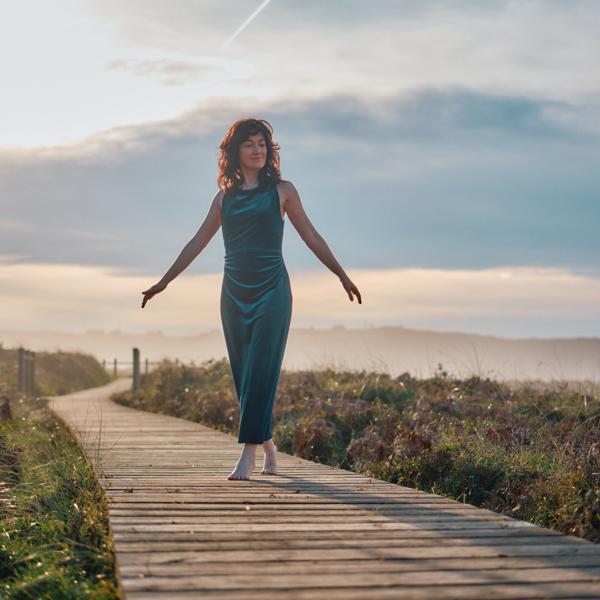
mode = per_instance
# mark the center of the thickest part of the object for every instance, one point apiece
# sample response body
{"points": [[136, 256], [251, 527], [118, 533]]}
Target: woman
{"points": [[256, 298]]}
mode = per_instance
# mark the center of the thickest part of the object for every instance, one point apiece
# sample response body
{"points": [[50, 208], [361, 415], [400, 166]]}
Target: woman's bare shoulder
{"points": [[218, 198], [286, 189]]}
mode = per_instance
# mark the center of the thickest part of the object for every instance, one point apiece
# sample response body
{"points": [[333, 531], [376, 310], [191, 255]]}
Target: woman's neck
{"points": [[249, 186]]}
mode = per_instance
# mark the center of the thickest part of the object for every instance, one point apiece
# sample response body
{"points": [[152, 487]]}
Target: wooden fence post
{"points": [[115, 367], [27, 363], [21, 371], [26, 372], [31, 373], [136, 368]]}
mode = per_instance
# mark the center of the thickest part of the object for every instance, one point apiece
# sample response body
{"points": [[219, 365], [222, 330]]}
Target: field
{"points": [[532, 454]]}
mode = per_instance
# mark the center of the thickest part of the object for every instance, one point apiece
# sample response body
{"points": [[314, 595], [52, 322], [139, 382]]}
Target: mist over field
{"points": [[393, 350]]}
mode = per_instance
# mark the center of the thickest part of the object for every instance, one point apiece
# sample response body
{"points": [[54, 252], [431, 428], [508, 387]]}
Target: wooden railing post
{"points": [[31, 374], [27, 363], [21, 371], [26, 372], [136, 368]]}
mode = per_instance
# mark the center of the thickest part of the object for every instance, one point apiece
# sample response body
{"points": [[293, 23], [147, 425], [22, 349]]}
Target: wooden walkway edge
{"points": [[181, 529]]}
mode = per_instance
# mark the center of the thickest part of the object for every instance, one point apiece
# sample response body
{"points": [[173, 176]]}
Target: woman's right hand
{"points": [[350, 288], [155, 289]]}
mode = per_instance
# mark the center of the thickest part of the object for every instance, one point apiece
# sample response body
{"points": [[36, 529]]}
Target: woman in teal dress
{"points": [[256, 296]]}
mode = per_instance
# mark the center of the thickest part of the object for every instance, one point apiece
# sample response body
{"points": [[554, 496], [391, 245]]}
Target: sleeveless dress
{"points": [[255, 303]]}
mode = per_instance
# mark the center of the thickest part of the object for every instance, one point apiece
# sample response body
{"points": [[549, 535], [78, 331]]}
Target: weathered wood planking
{"points": [[181, 529]]}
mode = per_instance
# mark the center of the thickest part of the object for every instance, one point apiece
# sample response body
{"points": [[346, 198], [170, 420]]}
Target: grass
{"points": [[56, 373], [54, 532], [532, 454]]}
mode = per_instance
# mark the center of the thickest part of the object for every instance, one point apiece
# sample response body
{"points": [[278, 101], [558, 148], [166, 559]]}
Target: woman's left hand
{"points": [[350, 288]]}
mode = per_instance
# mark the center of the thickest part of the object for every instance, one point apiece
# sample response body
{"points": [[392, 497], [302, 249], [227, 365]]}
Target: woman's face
{"points": [[253, 152]]}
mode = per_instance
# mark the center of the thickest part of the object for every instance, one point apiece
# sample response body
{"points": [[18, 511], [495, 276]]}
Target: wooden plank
{"points": [[206, 543], [182, 530], [289, 510], [165, 563], [275, 517], [512, 591], [364, 580], [301, 527]]}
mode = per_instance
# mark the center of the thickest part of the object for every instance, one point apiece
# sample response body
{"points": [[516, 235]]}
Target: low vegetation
{"points": [[56, 373], [530, 454], [54, 541]]}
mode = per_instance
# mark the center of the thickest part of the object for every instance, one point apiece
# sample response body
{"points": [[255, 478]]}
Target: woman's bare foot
{"points": [[270, 462], [245, 464]]}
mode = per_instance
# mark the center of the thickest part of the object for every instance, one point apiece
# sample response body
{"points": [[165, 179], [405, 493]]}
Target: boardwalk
{"points": [[182, 530]]}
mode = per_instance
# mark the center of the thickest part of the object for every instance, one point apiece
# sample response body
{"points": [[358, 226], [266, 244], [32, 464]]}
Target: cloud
{"points": [[172, 72], [293, 51], [452, 178], [430, 116], [502, 301], [374, 48], [16, 225]]}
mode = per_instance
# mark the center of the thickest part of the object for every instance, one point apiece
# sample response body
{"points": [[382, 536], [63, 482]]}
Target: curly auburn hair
{"points": [[230, 176]]}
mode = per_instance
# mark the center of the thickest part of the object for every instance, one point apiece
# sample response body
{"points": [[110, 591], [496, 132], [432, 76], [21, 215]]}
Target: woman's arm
{"points": [[312, 238], [207, 230]]}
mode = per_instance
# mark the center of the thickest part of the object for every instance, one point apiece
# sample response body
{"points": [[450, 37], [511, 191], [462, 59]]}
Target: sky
{"points": [[448, 151]]}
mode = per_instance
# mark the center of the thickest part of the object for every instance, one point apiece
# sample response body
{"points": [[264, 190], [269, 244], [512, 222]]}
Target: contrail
{"points": [[244, 25]]}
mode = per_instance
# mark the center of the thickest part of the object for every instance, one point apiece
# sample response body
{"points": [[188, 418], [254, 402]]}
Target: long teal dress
{"points": [[256, 303]]}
